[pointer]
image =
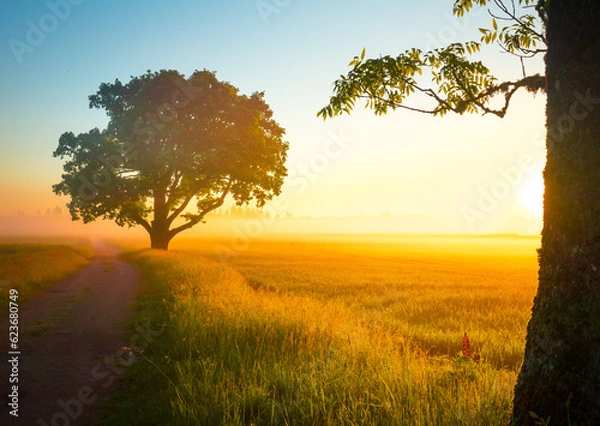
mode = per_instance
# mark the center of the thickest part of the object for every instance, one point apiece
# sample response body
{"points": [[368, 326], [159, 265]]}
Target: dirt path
{"points": [[68, 336]]}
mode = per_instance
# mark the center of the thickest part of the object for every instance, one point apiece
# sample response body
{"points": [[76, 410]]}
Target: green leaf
{"points": [[363, 53], [494, 24]]}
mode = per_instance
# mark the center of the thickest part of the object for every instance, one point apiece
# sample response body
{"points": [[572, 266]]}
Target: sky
{"points": [[476, 173]]}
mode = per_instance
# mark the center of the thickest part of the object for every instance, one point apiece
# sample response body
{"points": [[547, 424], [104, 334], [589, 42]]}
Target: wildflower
{"points": [[466, 347]]}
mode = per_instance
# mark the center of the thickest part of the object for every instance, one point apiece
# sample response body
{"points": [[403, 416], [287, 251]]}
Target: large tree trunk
{"points": [[160, 239], [560, 377], [160, 235]]}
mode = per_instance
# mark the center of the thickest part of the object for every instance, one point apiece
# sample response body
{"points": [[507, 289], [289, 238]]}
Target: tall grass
{"points": [[31, 267], [243, 348], [429, 290]]}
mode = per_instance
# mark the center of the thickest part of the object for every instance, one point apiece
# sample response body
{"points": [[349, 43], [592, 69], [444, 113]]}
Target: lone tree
{"points": [[560, 377], [171, 142]]}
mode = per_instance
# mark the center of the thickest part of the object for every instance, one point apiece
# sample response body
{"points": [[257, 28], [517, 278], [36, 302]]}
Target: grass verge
{"points": [[33, 267]]}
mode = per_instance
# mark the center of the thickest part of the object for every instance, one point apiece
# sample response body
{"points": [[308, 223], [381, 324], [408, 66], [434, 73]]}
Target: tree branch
{"points": [[513, 16], [137, 218], [198, 218], [186, 201], [172, 190], [181, 208], [509, 88], [527, 82], [431, 93], [527, 53]]}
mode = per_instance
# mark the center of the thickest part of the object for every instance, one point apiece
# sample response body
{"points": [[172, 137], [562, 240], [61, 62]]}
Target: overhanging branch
{"points": [[532, 83]]}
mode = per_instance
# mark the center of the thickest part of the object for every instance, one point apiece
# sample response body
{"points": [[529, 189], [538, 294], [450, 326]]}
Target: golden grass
{"points": [[340, 332], [32, 267], [429, 289]]}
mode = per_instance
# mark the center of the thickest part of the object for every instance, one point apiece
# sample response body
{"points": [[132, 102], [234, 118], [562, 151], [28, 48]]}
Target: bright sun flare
{"points": [[531, 194]]}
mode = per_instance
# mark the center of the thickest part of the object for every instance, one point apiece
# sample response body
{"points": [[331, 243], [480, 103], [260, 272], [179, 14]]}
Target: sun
{"points": [[531, 194]]}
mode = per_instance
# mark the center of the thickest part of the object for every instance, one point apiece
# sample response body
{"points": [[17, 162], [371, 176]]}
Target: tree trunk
{"points": [[160, 235], [560, 377], [160, 238]]}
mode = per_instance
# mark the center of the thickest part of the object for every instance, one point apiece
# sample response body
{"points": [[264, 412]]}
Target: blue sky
{"points": [[293, 50]]}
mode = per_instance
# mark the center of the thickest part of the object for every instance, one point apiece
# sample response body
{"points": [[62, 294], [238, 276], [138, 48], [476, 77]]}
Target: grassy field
{"points": [[332, 331], [31, 267]]}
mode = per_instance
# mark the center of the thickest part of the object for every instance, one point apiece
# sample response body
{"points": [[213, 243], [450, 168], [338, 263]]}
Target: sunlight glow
{"points": [[531, 194]]}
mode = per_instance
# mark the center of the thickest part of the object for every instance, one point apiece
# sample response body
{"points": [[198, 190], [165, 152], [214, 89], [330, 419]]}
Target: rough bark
{"points": [[560, 377]]}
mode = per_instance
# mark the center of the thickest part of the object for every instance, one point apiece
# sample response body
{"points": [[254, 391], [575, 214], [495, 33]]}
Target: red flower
{"points": [[466, 347]]}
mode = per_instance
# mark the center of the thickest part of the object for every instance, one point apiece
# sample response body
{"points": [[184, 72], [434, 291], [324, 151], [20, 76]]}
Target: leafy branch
{"points": [[458, 83]]}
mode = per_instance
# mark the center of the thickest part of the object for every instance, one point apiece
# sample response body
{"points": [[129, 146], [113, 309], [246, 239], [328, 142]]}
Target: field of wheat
{"points": [[333, 331]]}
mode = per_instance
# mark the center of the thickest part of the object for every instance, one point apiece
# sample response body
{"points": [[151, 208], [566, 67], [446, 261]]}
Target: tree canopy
{"points": [[171, 142]]}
